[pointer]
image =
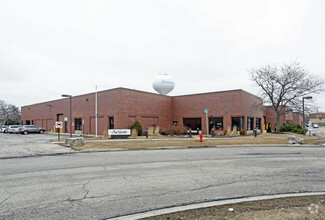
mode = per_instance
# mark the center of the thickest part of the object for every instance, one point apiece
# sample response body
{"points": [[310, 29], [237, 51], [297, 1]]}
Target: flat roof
{"points": [[122, 88]]}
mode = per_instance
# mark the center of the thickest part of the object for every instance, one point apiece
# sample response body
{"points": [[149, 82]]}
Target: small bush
{"points": [[218, 132], [172, 130], [11, 122], [137, 126], [134, 133], [242, 132], [153, 131], [156, 131], [234, 131], [289, 126], [228, 132], [105, 135]]}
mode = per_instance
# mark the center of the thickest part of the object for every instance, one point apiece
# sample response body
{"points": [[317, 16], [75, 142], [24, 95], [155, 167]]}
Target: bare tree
{"points": [[3, 112], [284, 86], [14, 113], [9, 112]]}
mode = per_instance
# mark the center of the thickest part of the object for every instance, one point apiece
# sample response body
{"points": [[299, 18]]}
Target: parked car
{"points": [[315, 125], [13, 129], [3, 128], [6, 129], [25, 129]]}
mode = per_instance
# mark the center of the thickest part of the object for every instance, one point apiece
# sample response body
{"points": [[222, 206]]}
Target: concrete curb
{"points": [[157, 148], [211, 204]]}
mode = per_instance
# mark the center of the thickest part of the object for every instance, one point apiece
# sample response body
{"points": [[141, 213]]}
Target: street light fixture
{"points": [[69, 96], [303, 112]]}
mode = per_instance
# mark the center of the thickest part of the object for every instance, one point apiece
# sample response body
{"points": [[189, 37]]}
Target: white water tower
{"points": [[163, 84]]}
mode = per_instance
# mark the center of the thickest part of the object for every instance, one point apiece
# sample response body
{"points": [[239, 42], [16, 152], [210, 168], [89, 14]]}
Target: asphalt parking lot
{"points": [[318, 131], [17, 145]]}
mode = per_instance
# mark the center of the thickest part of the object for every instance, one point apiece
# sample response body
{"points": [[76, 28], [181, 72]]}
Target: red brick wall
{"points": [[227, 104], [290, 116], [147, 108], [127, 106], [297, 118], [124, 105]]}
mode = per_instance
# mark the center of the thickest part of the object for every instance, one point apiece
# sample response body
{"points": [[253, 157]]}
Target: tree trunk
{"points": [[277, 122]]}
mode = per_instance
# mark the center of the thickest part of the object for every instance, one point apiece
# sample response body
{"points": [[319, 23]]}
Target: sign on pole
{"points": [[58, 125]]}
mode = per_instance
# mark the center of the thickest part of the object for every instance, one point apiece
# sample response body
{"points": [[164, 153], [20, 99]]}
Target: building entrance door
{"points": [[78, 124]]}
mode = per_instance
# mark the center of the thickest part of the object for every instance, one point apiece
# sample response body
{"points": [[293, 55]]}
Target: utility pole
{"points": [[303, 112], [96, 110]]}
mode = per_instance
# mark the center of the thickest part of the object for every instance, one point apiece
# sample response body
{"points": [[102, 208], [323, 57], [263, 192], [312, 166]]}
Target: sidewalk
{"points": [[39, 145]]}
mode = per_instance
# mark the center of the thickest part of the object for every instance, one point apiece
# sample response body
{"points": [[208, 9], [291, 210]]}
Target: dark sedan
{"points": [[31, 129]]}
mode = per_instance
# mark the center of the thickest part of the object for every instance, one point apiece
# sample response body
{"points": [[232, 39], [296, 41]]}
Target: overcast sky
{"points": [[49, 48]]}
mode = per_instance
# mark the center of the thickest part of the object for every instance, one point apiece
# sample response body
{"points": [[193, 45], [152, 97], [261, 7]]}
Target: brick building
{"points": [[270, 117], [121, 107]]}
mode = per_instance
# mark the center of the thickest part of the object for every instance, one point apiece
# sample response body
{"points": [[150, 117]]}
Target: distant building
{"points": [[121, 107], [317, 118]]}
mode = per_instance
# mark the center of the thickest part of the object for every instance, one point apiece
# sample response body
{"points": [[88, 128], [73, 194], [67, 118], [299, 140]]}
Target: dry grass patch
{"points": [[152, 144], [312, 207], [165, 141]]}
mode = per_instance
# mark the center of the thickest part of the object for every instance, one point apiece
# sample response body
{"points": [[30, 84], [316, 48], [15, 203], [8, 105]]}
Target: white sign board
{"points": [[65, 118], [58, 124], [119, 132]]}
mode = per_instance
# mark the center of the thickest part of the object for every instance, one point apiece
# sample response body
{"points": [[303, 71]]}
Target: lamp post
{"points": [[207, 121], [70, 96], [303, 112], [96, 115]]}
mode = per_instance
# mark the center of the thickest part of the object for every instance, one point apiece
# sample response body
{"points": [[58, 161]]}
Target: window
{"points": [[78, 124], [27, 122], [250, 124], [111, 122], [217, 123], [193, 123], [175, 123], [238, 122], [258, 123]]}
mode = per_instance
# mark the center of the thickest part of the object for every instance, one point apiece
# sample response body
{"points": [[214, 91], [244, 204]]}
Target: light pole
{"points": [[303, 112], [207, 121], [70, 96], [96, 115]]}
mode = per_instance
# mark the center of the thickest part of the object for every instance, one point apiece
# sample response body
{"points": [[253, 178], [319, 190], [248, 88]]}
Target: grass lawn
{"points": [[309, 207], [163, 141]]}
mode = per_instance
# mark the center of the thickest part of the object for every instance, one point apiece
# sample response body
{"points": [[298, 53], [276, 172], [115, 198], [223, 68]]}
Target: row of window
{"points": [[77, 123], [217, 123]]}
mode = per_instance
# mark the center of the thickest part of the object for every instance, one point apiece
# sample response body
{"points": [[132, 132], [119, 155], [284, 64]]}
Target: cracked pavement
{"points": [[17, 145], [110, 184]]}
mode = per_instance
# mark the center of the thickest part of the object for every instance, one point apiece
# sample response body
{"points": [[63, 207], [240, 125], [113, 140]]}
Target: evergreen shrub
{"points": [[137, 126], [289, 126]]}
